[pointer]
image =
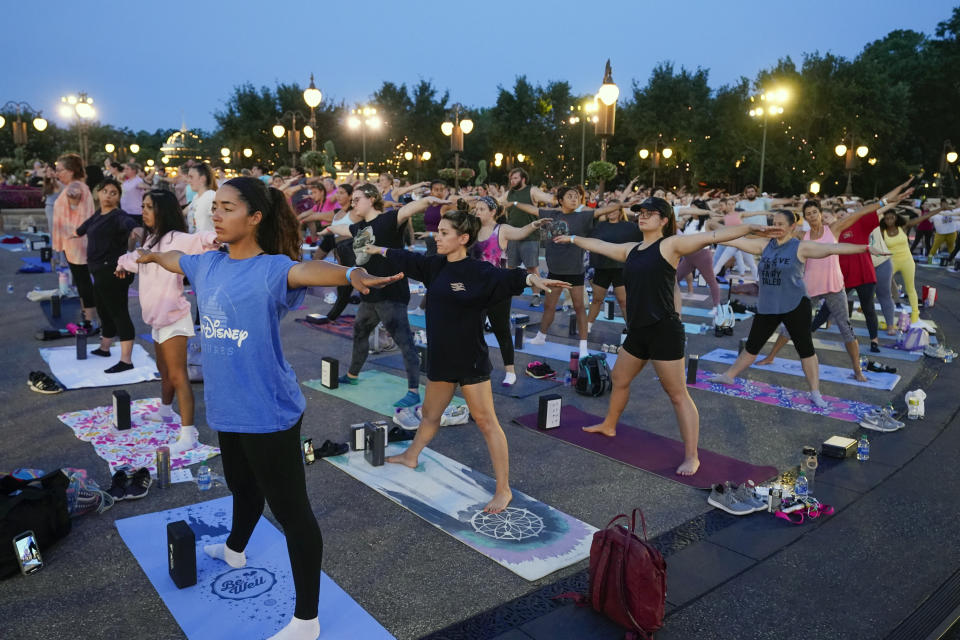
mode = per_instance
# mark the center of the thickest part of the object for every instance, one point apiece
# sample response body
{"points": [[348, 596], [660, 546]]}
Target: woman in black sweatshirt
{"points": [[459, 290]]}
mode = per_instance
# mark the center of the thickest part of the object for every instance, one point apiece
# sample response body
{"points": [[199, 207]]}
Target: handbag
{"points": [[40, 505]]}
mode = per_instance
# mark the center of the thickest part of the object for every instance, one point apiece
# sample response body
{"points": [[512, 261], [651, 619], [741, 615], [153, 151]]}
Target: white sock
{"points": [[165, 410], [186, 439], [510, 378], [540, 338], [584, 350], [589, 327], [235, 559], [818, 400], [299, 629]]}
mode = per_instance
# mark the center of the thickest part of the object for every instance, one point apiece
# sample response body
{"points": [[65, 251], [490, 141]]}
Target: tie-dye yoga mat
{"points": [[842, 375], [342, 326], [846, 410], [530, 538], [136, 446], [253, 602]]}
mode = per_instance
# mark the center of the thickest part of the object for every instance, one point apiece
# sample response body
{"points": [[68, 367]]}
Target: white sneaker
{"points": [[540, 338], [417, 311]]}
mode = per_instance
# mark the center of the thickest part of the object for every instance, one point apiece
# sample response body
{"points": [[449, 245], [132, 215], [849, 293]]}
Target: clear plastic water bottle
{"points": [[863, 449], [801, 489], [64, 283], [204, 480], [568, 379]]}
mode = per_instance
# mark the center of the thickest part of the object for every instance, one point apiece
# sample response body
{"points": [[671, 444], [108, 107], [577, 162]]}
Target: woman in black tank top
{"points": [[655, 331]]}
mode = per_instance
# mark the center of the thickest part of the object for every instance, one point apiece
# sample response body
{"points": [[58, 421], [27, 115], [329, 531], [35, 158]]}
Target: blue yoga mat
{"points": [[705, 313], [35, 261], [549, 349], [688, 327], [885, 352], [420, 322], [864, 333], [253, 602], [842, 375]]}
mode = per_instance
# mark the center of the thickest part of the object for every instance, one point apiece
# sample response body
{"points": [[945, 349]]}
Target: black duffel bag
{"points": [[40, 506]]}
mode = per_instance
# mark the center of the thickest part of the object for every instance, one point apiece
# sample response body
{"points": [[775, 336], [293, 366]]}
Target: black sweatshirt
{"points": [[458, 294], [107, 236]]}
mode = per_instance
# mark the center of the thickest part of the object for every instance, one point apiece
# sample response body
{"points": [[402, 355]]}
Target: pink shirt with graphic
{"points": [[823, 275]]}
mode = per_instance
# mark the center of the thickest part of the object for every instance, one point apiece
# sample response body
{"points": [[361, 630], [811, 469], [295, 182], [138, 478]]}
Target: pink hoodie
{"points": [[161, 292]]}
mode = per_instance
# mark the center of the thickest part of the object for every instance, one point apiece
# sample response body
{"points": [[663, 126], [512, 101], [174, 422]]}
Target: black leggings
{"points": [[499, 316], [83, 283], [927, 236], [269, 465], [346, 258], [865, 292], [797, 323], [110, 293]]}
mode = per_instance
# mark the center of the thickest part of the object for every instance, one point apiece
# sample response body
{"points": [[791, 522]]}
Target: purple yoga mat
{"points": [[342, 326], [648, 451]]}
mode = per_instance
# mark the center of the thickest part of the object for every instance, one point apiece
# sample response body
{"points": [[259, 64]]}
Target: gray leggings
{"points": [[393, 315], [836, 303], [884, 280]]}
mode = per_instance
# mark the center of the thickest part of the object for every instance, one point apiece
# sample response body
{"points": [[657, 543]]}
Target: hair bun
{"points": [[463, 205]]}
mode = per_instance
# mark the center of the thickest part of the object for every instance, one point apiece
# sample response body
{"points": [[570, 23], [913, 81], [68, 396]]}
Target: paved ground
{"points": [[845, 574]]}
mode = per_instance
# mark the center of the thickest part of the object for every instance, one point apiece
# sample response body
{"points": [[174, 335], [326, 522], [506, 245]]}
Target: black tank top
{"points": [[649, 281]]}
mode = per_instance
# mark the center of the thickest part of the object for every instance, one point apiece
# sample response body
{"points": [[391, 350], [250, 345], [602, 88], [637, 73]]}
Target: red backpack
{"points": [[628, 577]]}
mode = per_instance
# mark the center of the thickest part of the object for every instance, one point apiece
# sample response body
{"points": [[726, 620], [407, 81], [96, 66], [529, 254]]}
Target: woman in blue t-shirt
{"points": [[252, 396]]}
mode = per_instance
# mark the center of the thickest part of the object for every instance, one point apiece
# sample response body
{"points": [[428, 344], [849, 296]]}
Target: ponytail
{"points": [[464, 222], [278, 232]]}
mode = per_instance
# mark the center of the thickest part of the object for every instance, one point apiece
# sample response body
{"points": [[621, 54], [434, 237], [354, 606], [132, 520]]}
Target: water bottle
{"points": [[568, 379], [809, 463], [863, 449], [203, 478], [801, 489], [64, 283]]}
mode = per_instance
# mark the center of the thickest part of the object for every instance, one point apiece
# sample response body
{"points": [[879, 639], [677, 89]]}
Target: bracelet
{"points": [[572, 238], [883, 203], [383, 251], [529, 284], [349, 271]]}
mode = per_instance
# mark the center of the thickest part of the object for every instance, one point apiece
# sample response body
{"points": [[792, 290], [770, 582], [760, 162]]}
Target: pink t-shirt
{"points": [[823, 275], [732, 219], [161, 292]]}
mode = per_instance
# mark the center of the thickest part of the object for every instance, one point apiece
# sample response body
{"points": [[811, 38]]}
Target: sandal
{"points": [[329, 448], [399, 434], [879, 367]]}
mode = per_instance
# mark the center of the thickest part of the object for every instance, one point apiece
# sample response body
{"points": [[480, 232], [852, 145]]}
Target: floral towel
{"points": [[847, 410], [137, 446]]}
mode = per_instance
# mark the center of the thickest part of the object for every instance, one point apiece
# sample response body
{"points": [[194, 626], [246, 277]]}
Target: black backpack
{"points": [[593, 376], [40, 506]]}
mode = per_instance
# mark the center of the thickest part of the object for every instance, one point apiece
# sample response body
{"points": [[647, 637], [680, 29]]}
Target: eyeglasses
{"points": [[643, 215]]}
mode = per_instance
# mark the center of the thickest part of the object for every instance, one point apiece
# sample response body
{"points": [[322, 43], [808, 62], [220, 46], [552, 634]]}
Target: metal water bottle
{"points": [[163, 467]]}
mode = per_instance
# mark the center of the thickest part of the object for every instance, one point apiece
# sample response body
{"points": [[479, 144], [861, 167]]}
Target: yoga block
{"points": [[839, 447], [520, 319], [121, 410], [375, 442], [572, 326], [330, 372], [518, 337], [548, 413], [609, 309], [81, 345], [37, 245], [46, 254], [422, 355], [181, 554], [317, 318], [358, 437], [55, 306]]}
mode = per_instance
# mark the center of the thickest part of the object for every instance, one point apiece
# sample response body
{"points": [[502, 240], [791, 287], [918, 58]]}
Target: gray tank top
{"points": [[781, 278]]}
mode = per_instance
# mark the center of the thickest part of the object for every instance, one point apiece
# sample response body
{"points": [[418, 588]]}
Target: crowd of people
{"points": [[240, 242]]}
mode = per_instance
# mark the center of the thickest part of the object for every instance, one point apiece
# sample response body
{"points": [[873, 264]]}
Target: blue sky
{"points": [[149, 64]]}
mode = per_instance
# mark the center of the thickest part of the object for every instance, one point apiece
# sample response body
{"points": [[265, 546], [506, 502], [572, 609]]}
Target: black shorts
{"points": [[575, 280], [605, 277], [664, 340], [464, 381]]}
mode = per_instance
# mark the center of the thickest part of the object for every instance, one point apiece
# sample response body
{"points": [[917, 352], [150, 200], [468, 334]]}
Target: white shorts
{"points": [[182, 327]]}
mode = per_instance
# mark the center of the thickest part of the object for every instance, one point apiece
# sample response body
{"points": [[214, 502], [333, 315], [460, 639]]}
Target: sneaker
{"points": [[45, 384], [410, 400], [935, 351], [747, 494], [454, 415], [722, 497], [536, 300], [345, 379], [407, 418], [538, 339], [880, 421], [330, 298], [539, 370], [118, 485], [88, 500], [139, 484], [34, 376], [417, 311]]}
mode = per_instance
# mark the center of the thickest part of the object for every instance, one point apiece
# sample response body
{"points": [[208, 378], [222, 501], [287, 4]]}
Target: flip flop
{"points": [[878, 367], [329, 448], [399, 434]]}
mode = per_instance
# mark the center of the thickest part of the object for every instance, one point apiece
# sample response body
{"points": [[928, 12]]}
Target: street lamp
{"points": [[772, 105], [947, 158], [80, 105], [814, 187], [850, 155], [363, 118], [293, 136], [590, 108], [312, 96], [658, 152], [606, 113], [247, 152], [419, 158], [19, 126], [456, 130]]}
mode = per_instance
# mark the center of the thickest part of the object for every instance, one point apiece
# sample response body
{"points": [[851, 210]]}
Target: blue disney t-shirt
{"points": [[248, 386]]}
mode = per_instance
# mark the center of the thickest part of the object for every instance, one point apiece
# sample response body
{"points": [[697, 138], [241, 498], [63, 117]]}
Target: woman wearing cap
{"points": [[490, 247], [654, 331], [783, 296]]}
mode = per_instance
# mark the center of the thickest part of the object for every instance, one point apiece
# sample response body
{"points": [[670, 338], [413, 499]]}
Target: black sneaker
{"points": [[33, 377], [118, 487], [139, 484], [540, 370], [44, 384]]}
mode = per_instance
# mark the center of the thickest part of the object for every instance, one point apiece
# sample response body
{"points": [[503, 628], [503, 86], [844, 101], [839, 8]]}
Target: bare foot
{"points": [[689, 467], [602, 428], [765, 361], [499, 502], [405, 459], [721, 378], [858, 375], [891, 331]]}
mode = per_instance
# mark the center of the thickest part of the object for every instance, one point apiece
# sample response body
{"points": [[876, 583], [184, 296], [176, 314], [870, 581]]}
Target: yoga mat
{"points": [[864, 333], [842, 375], [549, 349], [77, 374], [530, 538], [525, 386], [20, 246], [688, 327], [146, 337], [342, 326], [885, 352], [648, 451], [524, 305], [846, 410], [418, 321], [705, 313], [136, 446], [70, 311], [377, 391], [253, 602], [35, 261], [696, 297]]}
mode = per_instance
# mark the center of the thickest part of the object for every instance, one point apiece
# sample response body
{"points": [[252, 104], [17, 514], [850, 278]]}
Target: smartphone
{"points": [[28, 553]]}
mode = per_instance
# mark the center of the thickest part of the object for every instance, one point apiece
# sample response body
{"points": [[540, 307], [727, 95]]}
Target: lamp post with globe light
{"points": [[81, 107], [364, 118], [850, 155], [589, 109], [606, 114], [19, 126], [419, 157], [769, 103], [312, 96], [658, 152], [948, 158], [293, 135], [455, 131]]}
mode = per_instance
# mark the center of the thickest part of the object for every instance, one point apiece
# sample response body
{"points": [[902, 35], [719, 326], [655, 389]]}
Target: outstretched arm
{"points": [[526, 208], [676, 246], [612, 250], [169, 260], [319, 273], [810, 250], [417, 206], [607, 208], [508, 232], [538, 195], [912, 223], [752, 246]]}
